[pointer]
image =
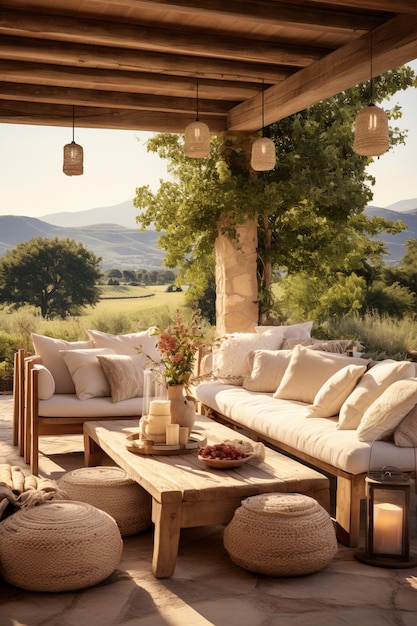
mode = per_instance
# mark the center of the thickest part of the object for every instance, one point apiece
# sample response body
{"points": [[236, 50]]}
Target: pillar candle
{"points": [[388, 523], [172, 434]]}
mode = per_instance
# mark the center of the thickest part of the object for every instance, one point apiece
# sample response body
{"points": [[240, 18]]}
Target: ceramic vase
{"points": [[182, 409]]}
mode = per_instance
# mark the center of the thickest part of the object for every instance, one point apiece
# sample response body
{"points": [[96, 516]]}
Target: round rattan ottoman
{"points": [[280, 535], [111, 490], [59, 546]]}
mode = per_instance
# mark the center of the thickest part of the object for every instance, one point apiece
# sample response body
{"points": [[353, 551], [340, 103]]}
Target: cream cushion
{"points": [[231, 354], [125, 375], [335, 390], [307, 372], [267, 369], [372, 384], [48, 348], [405, 435], [46, 382], [89, 378], [294, 331], [131, 343], [386, 412]]}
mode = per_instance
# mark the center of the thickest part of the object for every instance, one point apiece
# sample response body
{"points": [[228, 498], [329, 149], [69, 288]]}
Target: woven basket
{"points": [[111, 490], [280, 535], [59, 546]]}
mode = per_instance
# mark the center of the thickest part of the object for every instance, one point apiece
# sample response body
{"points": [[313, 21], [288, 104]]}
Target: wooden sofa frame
{"points": [[28, 425], [350, 488]]}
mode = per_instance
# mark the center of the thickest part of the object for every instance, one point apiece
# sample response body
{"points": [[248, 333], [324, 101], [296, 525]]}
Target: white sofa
{"points": [[341, 414], [68, 383]]}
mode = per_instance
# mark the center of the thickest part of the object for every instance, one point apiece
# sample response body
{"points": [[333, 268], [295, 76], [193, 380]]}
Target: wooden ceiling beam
{"points": [[134, 82], [396, 6], [280, 12], [56, 28], [113, 99], [12, 112], [393, 44], [85, 56]]}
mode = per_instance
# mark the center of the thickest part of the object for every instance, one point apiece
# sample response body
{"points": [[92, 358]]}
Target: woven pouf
{"points": [[280, 535], [59, 546], [110, 489]]}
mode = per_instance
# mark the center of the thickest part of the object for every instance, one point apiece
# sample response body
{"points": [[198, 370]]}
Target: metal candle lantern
{"points": [[387, 542]]}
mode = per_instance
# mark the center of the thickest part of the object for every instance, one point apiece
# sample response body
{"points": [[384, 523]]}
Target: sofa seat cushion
{"points": [[288, 422], [68, 405]]}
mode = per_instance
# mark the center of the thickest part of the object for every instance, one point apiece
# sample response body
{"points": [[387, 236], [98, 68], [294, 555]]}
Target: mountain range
{"points": [[112, 233]]}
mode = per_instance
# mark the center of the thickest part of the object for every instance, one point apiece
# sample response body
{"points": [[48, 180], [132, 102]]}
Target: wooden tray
{"points": [[195, 441]]}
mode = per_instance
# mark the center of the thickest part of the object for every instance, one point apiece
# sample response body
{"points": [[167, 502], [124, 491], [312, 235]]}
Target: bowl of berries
{"points": [[225, 455]]}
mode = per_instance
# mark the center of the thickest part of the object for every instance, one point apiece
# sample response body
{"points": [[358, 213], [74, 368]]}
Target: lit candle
{"points": [[388, 523], [172, 434]]}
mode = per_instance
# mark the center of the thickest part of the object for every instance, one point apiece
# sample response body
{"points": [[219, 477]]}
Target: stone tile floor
{"points": [[207, 589]]}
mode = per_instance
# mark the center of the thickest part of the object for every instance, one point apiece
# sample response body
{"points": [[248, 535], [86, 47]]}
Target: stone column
{"points": [[236, 283]]}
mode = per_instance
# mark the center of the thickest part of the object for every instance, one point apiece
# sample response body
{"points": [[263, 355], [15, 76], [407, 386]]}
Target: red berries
{"points": [[222, 452]]}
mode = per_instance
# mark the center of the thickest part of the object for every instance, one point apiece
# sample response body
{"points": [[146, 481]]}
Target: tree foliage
{"points": [[58, 276], [310, 208]]}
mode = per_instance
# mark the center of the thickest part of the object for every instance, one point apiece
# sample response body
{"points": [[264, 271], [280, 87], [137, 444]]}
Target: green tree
{"points": [[309, 208], [56, 275]]}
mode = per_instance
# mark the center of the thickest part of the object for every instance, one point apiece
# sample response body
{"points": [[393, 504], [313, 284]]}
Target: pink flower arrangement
{"points": [[178, 345]]}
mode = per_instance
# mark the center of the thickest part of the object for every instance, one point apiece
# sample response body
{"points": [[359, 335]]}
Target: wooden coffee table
{"points": [[185, 492]]}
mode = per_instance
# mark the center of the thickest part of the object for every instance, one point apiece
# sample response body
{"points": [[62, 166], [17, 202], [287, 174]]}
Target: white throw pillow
{"points": [[293, 331], [384, 415], [129, 343], [372, 384], [307, 372], [267, 369], [46, 382], [48, 348], [231, 354], [405, 435], [335, 390], [89, 378], [125, 375]]}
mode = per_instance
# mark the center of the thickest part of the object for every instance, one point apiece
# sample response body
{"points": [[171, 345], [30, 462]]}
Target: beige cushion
{"points": [[372, 384], [267, 369], [129, 344], [89, 378], [295, 331], [335, 390], [48, 348], [125, 375], [46, 382], [386, 412], [405, 435], [231, 354], [307, 372]]}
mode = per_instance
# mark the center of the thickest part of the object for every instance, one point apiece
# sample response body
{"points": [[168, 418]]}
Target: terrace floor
{"points": [[207, 589]]}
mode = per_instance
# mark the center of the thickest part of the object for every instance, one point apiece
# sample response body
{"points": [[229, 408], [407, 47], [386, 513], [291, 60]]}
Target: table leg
{"points": [[92, 451], [167, 520]]}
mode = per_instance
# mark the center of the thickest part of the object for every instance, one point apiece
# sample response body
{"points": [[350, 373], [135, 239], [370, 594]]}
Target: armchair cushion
{"points": [[89, 378], [125, 375], [46, 382], [48, 348], [129, 344]]}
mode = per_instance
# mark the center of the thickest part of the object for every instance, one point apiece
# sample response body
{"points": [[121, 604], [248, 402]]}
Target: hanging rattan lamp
{"points": [[73, 156], [263, 157], [197, 138], [371, 127]]}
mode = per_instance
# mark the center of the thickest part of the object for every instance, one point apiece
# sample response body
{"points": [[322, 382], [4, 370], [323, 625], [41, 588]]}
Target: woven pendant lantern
{"points": [[371, 131], [73, 156], [371, 126], [263, 157], [197, 138]]}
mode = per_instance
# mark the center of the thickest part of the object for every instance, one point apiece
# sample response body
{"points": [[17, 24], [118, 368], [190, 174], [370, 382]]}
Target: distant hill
{"points": [[112, 233], [118, 246], [395, 243], [123, 214]]}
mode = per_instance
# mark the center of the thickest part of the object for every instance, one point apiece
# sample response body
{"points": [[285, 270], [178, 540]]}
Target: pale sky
{"points": [[116, 162]]}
